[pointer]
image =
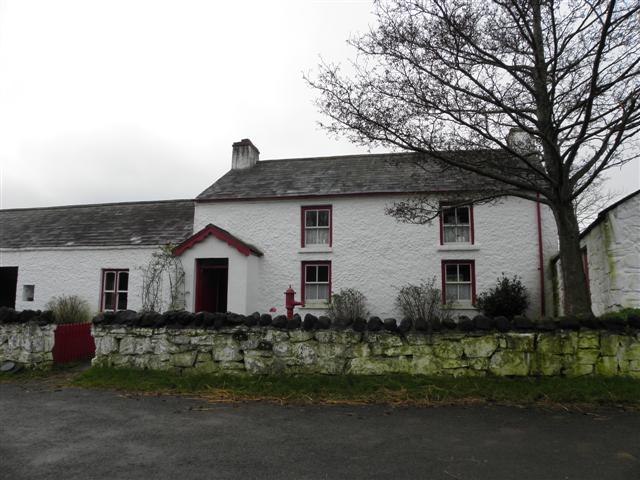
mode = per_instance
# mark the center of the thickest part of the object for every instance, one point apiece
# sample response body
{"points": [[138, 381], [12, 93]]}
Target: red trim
{"points": [[303, 209], [472, 235], [303, 274], [220, 234], [473, 278], [329, 195], [543, 306]]}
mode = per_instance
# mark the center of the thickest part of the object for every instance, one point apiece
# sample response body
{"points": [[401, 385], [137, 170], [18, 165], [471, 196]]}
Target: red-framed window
{"points": [[456, 224], [316, 282], [317, 225], [459, 282], [114, 294]]}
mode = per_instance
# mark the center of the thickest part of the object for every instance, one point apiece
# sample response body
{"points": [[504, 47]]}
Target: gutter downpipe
{"points": [[540, 257]]}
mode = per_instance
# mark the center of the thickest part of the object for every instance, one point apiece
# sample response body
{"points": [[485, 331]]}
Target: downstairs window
{"points": [[115, 290]]}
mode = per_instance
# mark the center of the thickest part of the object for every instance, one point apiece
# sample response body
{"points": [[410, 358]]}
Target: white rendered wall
{"points": [[613, 251], [74, 272], [374, 253]]}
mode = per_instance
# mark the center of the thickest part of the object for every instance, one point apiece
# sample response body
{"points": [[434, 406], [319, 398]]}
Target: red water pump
{"points": [[290, 302]]}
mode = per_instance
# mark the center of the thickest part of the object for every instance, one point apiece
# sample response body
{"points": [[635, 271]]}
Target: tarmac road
{"points": [[66, 433]]}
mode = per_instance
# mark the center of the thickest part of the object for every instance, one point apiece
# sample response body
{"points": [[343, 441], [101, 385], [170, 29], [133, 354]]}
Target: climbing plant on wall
{"points": [[164, 272]]}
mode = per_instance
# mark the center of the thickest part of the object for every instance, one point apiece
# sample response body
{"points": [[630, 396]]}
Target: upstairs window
{"points": [[316, 226], [458, 282], [316, 282], [456, 224], [115, 289]]}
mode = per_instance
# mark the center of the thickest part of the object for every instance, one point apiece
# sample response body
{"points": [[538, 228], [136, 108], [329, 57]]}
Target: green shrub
{"points": [[624, 313], [508, 298], [421, 303], [347, 305], [69, 309]]}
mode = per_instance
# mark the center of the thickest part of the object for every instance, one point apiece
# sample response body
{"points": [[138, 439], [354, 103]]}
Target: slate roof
{"points": [[108, 224], [348, 175]]}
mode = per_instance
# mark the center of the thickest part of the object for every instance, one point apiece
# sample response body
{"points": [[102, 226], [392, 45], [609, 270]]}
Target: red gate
{"points": [[73, 342]]}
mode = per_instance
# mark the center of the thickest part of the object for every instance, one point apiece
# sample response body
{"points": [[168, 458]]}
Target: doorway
{"points": [[212, 278], [8, 284]]}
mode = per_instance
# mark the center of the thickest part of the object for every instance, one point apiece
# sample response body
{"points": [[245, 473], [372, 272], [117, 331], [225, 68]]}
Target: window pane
{"points": [[323, 292], [465, 272], [463, 215], [464, 292], [322, 236], [123, 281], [449, 216], [323, 218], [452, 273], [311, 218], [310, 292], [323, 273], [452, 293], [109, 301], [311, 273], [310, 236], [449, 234], [463, 234], [110, 280], [122, 301]]}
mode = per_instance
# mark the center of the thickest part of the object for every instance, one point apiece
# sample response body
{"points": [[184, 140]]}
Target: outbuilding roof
{"points": [[349, 175], [100, 225]]}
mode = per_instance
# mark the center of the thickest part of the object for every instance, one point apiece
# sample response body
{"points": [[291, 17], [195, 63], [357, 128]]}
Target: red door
{"points": [[212, 276]]}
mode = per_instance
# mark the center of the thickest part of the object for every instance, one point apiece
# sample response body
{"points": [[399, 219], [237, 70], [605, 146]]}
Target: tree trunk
{"points": [[577, 300]]}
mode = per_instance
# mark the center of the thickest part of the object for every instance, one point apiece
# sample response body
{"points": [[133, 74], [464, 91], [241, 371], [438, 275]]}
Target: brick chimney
{"points": [[245, 155]]}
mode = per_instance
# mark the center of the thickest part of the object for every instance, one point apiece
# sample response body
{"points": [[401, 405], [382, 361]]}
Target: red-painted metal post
{"points": [[290, 302]]}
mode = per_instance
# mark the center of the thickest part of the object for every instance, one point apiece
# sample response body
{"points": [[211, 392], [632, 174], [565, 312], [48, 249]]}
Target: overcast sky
{"points": [[105, 101]]}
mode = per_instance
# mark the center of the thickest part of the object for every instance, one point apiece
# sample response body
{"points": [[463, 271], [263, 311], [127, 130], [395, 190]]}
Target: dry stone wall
{"points": [[268, 350], [29, 344]]}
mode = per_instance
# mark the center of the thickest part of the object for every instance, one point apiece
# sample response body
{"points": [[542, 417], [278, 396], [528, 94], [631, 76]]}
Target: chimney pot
{"points": [[245, 155]]}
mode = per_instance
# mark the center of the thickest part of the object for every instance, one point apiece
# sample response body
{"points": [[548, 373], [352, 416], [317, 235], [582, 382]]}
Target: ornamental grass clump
{"points": [[347, 306], [69, 309], [508, 298]]}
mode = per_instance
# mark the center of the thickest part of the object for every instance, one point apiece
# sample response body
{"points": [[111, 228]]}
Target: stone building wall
{"points": [[29, 344], [267, 350]]}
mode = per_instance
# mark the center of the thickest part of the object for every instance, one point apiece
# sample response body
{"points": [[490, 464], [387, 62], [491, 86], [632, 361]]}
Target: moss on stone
{"points": [[520, 342], [607, 366], [589, 339], [505, 363], [448, 349], [546, 364], [479, 347], [586, 357]]}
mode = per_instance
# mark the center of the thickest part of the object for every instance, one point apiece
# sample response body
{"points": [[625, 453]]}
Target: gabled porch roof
{"points": [[221, 234]]}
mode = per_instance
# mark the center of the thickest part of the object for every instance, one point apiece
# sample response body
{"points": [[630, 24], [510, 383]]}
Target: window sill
{"points": [[452, 247], [316, 249], [315, 306], [468, 306]]}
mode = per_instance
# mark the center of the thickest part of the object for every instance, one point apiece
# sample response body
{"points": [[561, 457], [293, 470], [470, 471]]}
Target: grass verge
{"points": [[386, 389]]}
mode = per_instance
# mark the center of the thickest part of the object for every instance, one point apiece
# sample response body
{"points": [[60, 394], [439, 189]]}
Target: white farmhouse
{"points": [[611, 257], [317, 224]]}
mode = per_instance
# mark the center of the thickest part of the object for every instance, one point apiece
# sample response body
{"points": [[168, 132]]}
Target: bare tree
{"points": [[440, 76], [593, 200]]}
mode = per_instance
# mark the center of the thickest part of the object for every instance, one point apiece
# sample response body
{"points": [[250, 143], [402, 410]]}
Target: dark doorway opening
{"points": [[212, 277], [8, 285]]}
